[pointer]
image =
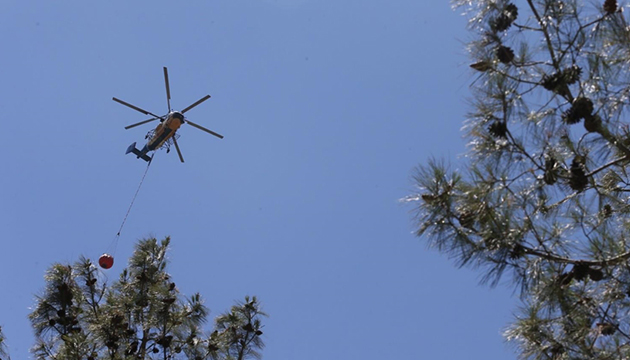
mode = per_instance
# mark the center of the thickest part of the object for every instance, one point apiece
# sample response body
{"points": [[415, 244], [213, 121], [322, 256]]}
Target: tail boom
{"points": [[140, 154]]}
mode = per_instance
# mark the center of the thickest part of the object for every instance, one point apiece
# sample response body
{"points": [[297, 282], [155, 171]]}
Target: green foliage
{"points": [[141, 316], [543, 196]]}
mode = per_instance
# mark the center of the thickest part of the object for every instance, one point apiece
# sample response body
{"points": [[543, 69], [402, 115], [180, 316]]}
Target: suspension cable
{"points": [[115, 241]]}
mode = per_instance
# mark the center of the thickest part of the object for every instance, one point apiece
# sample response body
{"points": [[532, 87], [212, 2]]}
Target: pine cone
{"points": [[117, 319], [517, 251], [551, 82], [606, 329], [505, 54], [577, 179], [580, 271], [511, 10], [498, 129], [582, 107], [505, 19], [551, 175], [595, 274], [572, 75], [556, 83], [65, 294], [556, 350], [500, 23], [165, 341], [610, 6], [569, 117]]}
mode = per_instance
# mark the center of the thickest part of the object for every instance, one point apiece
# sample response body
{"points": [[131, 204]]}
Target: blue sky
{"points": [[326, 108]]}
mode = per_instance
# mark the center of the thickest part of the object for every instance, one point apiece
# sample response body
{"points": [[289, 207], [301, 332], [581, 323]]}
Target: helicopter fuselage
{"points": [[165, 130]]}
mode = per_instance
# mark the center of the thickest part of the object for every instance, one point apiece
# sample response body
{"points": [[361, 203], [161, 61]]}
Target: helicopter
{"points": [[165, 133]]}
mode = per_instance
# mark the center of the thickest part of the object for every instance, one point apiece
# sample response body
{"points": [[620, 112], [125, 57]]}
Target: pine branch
{"points": [[545, 31]]}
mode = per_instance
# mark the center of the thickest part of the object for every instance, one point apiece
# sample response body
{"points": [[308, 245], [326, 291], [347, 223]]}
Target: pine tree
{"points": [[4, 355], [142, 315], [542, 199]]}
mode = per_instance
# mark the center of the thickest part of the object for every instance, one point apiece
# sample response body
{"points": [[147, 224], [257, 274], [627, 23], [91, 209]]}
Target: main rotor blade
{"points": [[196, 103], [134, 107], [177, 148], [204, 129], [168, 89], [141, 122]]}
